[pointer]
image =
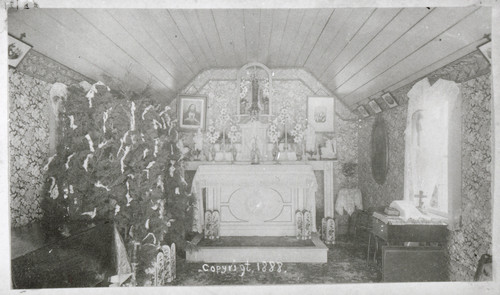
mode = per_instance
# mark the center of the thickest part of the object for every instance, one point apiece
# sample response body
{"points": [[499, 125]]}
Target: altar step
{"points": [[258, 249]]}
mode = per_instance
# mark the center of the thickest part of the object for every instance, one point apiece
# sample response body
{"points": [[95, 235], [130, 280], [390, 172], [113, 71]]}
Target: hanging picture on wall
{"points": [[192, 112], [486, 50], [321, 113], [16, 51], [375, 107], [363, 112], [389, 100]]}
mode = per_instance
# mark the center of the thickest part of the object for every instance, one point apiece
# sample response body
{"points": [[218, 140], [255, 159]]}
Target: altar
{"points": [[255, 200], [259, 209]]}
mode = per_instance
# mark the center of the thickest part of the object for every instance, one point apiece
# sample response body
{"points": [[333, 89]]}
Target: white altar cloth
{"points": [[254, 199], [349, 199]]}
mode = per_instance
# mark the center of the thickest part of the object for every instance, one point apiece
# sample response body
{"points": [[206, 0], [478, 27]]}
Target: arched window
{"points": [[433, 149]]}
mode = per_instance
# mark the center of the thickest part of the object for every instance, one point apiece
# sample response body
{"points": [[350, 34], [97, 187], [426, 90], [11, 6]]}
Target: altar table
{"points": [[255, 200]]}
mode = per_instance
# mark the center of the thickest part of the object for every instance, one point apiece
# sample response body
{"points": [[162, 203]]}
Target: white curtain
{"points": [[426, 141]]}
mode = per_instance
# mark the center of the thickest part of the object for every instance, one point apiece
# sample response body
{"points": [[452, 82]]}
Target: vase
{"points": [[234, 151], [212, 152], [275, 152], [298, 152]]}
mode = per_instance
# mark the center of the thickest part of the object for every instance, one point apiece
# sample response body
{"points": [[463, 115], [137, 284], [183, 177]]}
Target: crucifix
{"points": [[420, 196]]}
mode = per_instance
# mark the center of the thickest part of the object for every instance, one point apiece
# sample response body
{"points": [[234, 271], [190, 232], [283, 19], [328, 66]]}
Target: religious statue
{"points": [[255, 105], [255, 153]]}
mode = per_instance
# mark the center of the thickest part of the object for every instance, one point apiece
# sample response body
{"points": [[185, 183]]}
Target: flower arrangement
{"points": [[298, 133], [273, 132], [234, 134], [212, 134]]}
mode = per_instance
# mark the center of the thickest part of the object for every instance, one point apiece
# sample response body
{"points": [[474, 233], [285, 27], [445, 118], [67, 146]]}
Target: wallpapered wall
{"points": [[474, 238], [29, 86], [293, 85]]}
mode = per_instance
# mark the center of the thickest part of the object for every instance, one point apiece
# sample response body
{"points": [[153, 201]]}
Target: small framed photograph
{"points": [[321, 113], [374, 106], [486, 51], [363, 112], [16, 51], [192, 112], [389, 100]]}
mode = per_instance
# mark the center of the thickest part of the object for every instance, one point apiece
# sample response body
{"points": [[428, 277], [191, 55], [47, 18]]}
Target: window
{"points": [[433, 149]]}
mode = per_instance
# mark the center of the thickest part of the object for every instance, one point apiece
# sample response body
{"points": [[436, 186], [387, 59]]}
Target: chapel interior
{"points": [[193, 147]]}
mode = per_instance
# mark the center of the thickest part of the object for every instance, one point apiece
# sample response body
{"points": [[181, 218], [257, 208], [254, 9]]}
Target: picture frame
{"points": [[363, 112], [17, 50], [192, 112], [486, 51], [321, 113], [389, 100], [374, 106]]}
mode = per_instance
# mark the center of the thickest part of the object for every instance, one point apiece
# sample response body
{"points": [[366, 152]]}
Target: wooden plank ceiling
{"points": [[356, 52]]}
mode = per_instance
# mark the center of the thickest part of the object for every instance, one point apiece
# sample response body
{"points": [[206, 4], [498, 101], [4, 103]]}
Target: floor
{"points": [[346, 264]]}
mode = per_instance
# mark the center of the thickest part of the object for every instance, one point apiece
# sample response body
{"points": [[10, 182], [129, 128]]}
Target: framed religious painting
{"points": [[363, 112], [486, 51], [389, 100], [192, 112], [374, 106], [17, 51], [321, 113]]}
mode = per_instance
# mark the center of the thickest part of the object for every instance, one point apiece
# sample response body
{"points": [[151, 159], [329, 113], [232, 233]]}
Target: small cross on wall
{"points": [[420, 196]]}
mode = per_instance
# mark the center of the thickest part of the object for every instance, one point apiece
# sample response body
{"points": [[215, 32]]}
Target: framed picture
{"points": [[321, 113], [192, 112], [375, 107], [389, 100], [363, 112], [486, 50], [16, 51]]}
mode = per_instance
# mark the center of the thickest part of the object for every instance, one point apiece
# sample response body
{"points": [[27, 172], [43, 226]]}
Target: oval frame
{"points": [[379, 151]]}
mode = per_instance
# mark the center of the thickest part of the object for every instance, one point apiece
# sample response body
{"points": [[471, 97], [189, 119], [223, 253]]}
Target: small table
{"points": [[393, 230]]}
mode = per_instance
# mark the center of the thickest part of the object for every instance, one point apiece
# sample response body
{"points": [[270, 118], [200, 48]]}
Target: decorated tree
{"points": [[118, 158]]}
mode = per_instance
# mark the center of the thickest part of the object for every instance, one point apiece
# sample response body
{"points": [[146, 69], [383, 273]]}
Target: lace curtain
{"points": [[427, 144]]}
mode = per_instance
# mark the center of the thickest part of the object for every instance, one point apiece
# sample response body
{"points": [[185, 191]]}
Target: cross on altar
{"points": [[420, 196]]}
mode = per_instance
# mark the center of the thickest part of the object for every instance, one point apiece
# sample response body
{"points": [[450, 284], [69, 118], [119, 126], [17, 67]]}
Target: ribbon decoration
{"points": [[147, 173], [159, 183], [86, 162], [67, 161], [164, 124], [117, 209], [132, 117], [72, 122], [105, 117], [99, 184], [177, 192], [144, 153], [157, 140], [71, 189], [150, 164], [165, 110], [122, 141], [54, 191], [146, 225], [129, 198], [156, 124], [102, 144], [127, 150], [93, 91], [91, 144], [46, 167], [146, 110]]}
